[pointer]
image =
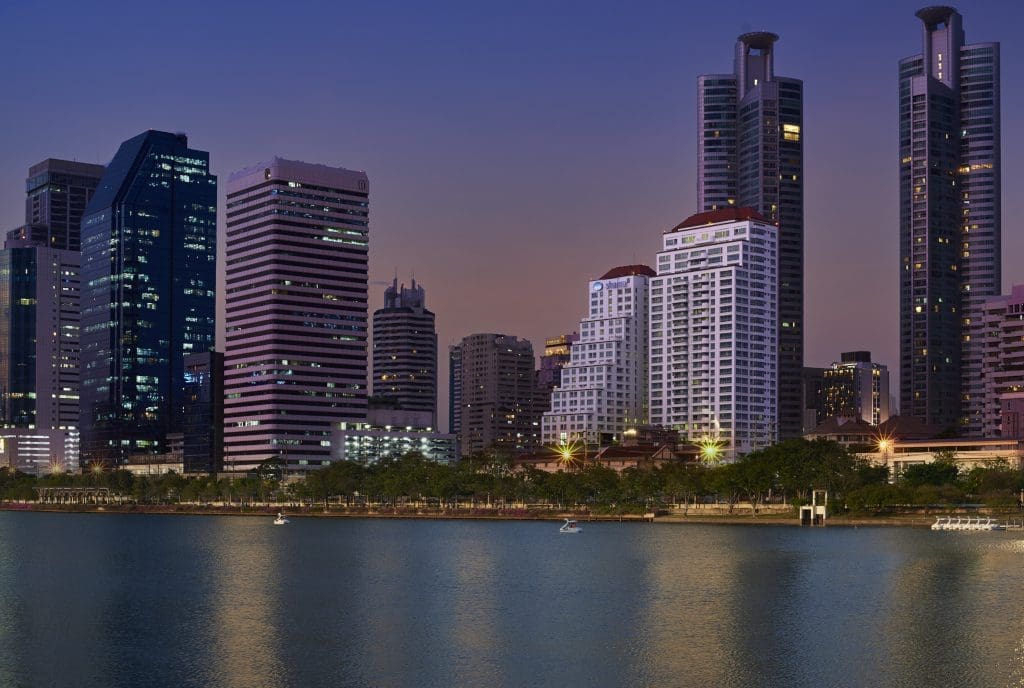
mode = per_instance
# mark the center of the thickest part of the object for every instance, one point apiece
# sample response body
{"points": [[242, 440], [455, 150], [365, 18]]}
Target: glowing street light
{"points": [[710, 449]]}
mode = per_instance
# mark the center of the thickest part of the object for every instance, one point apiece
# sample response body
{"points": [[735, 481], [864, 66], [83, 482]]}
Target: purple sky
{"points": [[514, 152]]}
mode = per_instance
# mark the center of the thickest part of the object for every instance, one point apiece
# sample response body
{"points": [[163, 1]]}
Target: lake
{"points": [[146, 600]]}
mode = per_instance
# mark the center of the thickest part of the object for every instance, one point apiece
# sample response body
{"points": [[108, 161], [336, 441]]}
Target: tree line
{"points": [[785, 473]]}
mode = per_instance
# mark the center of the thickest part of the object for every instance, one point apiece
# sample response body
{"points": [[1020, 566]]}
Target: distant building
{"points": [[855, 387], [39, 321], [814, 397], [295, 311], [714, 312], [149, 274], [495, 388], [950, 220], [750, 154], [203, 427], [58, 192], [557, 354], [366, 444], [405, 352], [1003, 362], [604, 386]]}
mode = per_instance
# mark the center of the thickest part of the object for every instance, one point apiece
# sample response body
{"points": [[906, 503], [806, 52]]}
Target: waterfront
{"points": [[164, 600]]}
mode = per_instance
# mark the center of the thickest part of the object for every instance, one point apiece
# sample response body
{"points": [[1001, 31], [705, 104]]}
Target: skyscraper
{"points": [[39, 319], [296, 311], [149, 252], [405, 353], [750, 153], [58, 192], [493, 382], [714, 320], [950, 224], [603, 388]]}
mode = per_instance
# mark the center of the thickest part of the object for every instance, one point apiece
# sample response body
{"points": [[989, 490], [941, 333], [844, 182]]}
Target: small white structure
{"points": [[814, 514]]}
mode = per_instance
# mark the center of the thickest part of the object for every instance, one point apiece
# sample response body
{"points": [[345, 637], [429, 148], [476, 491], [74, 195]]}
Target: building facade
{"points": [[1003, 361], [295, 311], [493, 383], [950, 223], [58, 193], [149, 271], [39, 320], [604, 386], [367, 443], [714, 328], [203, 428], [750, 154], [557, 354], [405, 352], [854, 387]]}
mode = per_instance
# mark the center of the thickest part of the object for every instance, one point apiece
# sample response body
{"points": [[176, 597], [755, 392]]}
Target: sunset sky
{"points": [[515, 150]]}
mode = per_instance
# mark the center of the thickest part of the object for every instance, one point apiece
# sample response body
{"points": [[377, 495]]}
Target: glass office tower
{"points": [[149, 252]]}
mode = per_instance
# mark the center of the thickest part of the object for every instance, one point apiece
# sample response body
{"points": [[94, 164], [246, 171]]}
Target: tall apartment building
{"points": [[149, 271], [714, 329], [950, 224], [295, 360], [603, 391], [854, 387], [1003, 362], [750, 154], [405, 353], [493, 382]]}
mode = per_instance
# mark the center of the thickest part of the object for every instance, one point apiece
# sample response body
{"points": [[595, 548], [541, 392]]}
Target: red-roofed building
{"points": [[712, 217]]}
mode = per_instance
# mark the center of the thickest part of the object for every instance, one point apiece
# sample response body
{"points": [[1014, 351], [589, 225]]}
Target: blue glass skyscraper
{"points": [[149, 252]]}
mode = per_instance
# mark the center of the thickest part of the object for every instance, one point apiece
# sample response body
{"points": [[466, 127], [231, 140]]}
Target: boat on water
{"points": [[947, 523], [570, 526], [281, 519]]}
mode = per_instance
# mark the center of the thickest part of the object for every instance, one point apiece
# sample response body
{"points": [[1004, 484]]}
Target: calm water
{"points": [[104, 600]]}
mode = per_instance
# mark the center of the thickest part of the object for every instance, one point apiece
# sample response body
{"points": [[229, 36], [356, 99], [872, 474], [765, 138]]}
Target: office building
{"points": [[58, 192], [604, 386], [950, 225], [494, 385], [405, 353], [149, 270], [203, 427], [750, 154], [295, 359], [714, 324], [39, 320], [854, 387]]}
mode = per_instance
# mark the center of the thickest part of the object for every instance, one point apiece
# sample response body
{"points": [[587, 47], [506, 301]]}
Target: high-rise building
{"points": [[295, 360], [714, 325], [39, 319], [814, 397], [603, 391], [149, 270], [950, 225], [1003, 361], [58, 193], [494, 385], [405, 353], [750, 153], [203, 426], [854, 387]]}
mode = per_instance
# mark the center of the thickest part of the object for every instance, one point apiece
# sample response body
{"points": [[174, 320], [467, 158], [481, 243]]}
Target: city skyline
{"points": [[505, 168]]}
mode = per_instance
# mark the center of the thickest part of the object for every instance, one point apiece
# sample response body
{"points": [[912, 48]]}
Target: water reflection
{"points": [[247, 578]]}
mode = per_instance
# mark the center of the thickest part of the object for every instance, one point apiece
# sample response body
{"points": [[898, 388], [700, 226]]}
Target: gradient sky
{"points": [[514, 151]]}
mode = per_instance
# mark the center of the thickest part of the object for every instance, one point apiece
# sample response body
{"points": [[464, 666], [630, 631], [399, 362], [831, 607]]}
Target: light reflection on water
{"points": [[89, 600]]}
